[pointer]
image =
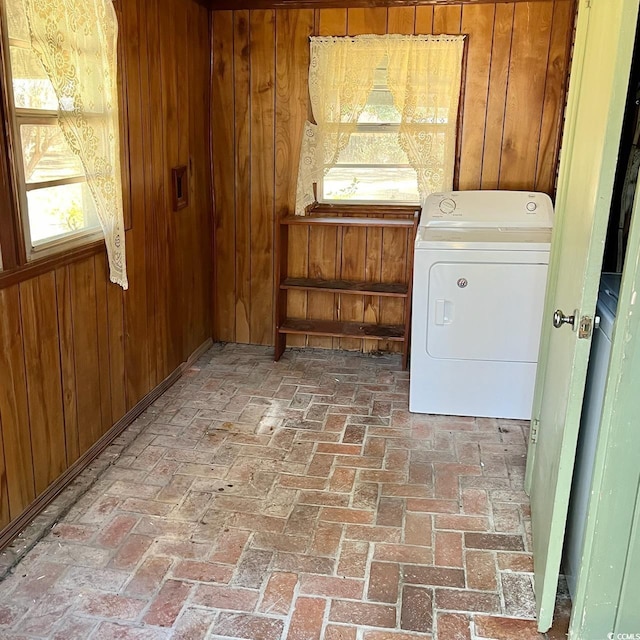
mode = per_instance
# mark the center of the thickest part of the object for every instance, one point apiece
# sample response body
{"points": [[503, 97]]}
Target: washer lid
{"points": [[489, 209], [496, 239]]}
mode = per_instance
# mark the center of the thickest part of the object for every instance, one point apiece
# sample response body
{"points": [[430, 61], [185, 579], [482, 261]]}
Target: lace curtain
{"points": [[76, 40], [424, 76], [341, 75]]}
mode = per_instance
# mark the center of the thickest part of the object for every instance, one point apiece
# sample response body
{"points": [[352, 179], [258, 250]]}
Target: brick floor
{"points": [[296, 500]]}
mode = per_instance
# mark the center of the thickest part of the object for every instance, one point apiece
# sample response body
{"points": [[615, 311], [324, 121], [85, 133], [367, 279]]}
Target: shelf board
{"points": [[337, 221], [337, 329], [388, 289], [392, 210]]}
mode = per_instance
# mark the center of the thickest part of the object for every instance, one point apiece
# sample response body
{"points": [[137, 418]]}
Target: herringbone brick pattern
{"points": [[296, 500]]}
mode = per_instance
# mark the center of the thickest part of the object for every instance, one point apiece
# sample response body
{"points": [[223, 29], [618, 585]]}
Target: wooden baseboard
{"points": [[8, 534]]}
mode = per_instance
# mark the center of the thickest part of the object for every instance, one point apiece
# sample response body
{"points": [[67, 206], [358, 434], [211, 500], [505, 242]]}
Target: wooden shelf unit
{"points": [[408, 218]]}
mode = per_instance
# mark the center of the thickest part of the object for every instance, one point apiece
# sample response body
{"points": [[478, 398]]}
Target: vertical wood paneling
{"points": [[498, 78], [332, 22], [291, 99], [223, 134], [372, 273], [182, 71], [525, 94], [322, 264], [477, 22], [243, 191], [104, 350], [175, 264], [44, 389], [401, 20], [202, 163], [297, 301], [164, 144], [293, 29], [263, 81], [182, 225], [5, 516], [424, 20], [123, 105], [360, 21], [138, 337], [514, 84], [115, 312], [14, 414], [151, 148], [324, 259], [67, 364], [393, 267], [555, 88], [199, 281], [86, 352], [447, 19], [352, 267]]}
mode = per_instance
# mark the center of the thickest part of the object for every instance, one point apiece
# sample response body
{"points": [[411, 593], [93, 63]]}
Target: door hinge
{"points": [[533, 436], [588, 4], [585, 329]]}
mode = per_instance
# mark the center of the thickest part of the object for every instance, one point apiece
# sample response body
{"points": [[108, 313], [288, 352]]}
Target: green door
{"points": [[627, 620], [607, 592], [597, 94]]}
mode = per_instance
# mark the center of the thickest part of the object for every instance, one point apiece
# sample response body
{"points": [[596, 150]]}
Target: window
{"points": [[60, 87], [385, 119], [373, 167], [57, 206]]}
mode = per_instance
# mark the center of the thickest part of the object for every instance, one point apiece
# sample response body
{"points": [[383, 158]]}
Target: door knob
{"points": [[559, 319]]}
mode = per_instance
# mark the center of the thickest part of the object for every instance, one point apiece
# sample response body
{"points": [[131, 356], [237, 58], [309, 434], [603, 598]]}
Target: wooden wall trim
{"points": [[44, 265], [221, 5], [211, 174], [43, 500], [8, 229]]}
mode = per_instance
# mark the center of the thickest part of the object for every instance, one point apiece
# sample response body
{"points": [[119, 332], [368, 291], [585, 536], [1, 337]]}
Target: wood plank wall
{"points": [[76, 353], [514, 90]]}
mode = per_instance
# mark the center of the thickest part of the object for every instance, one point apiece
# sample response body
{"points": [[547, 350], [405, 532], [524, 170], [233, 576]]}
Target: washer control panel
{"points": [[488, 209]]}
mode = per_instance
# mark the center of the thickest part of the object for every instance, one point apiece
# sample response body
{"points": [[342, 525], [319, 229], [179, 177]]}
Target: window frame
{"points": [[375, 128], [17, 117]]}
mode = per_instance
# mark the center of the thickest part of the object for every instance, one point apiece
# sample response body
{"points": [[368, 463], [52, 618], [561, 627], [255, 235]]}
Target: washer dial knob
{"points": [[531, 206], [448, 205]]}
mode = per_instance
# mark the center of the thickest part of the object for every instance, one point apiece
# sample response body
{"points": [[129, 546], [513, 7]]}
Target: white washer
{"points": [[480, 274]]}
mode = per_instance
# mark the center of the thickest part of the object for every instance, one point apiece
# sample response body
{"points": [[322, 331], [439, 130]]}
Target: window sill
{"points": [[43, 265], [326, 209]]}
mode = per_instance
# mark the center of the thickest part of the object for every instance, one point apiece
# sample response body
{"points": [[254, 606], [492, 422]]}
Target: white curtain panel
{"points": [[424, 76], [341, 74], [76, 42]]}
